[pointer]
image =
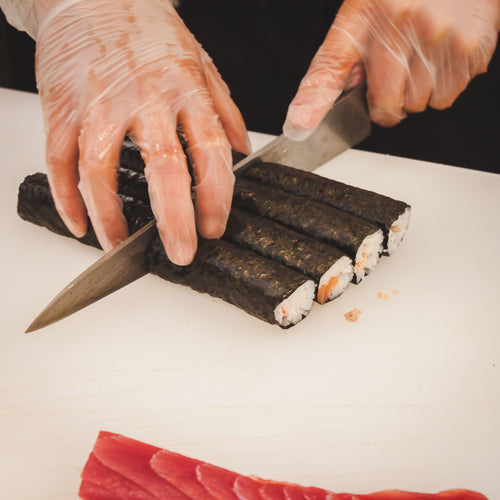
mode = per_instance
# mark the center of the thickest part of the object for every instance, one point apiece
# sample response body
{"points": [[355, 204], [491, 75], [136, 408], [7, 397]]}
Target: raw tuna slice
{"points": [[130, 458], [246, 488], [120, 468], [180, 471], [272, 491], [218, 482], [312, 493], [114, 484], [406, 495], [91, 491], [294, 492]]}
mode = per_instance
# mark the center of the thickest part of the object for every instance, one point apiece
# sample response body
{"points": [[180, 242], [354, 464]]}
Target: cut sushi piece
{"points": [[130, 462], [392, 216], [330, 267], [359, 239], [258, 285]]}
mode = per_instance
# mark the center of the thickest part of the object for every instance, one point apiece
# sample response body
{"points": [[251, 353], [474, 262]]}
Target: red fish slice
{"points": [[247, 488], [100, 479], [120, 468], [130, 458], [219, 482], [180, 471]]}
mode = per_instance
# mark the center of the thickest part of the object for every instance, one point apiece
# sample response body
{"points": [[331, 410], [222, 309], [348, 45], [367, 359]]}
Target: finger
{"points": [[324, 81], [228, 112], [210, 154], [356, 76], [169, 182], [452, 76], [100, 144], [461, 59], [62, 173], [419, 86], [386, 76]]}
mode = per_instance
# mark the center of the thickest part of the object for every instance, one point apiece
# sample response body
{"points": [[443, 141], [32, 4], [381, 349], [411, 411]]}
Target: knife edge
{"points": [[114, 270]]}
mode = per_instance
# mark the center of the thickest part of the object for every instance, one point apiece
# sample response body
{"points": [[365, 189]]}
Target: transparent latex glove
{"points": [[107, 68], [413, 53]]}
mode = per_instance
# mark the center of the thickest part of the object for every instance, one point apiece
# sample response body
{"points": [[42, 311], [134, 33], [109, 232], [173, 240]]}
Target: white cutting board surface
{"points": [[407, 397]]}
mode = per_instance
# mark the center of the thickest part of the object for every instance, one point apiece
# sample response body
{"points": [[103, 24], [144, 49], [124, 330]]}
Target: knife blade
{"points": [[345, 125]]}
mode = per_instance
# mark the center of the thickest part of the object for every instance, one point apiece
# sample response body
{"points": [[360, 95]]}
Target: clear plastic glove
{"points": [[107, 68], [413, 53]]}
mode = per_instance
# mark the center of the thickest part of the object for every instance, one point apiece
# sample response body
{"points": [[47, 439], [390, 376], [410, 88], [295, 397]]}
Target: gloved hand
{"points": [[107, 68], [414, 53]]}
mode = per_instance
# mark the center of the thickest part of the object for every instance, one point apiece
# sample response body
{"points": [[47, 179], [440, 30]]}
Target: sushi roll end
{"points": [[335, 280], [368, 255], [296, 306], [397, 231]]}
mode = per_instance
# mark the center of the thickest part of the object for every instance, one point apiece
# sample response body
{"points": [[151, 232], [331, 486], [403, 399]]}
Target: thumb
{"points": [[326, 78]]}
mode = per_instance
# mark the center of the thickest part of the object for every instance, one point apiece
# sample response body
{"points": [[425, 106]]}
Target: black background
{"points": [[262, 48]]}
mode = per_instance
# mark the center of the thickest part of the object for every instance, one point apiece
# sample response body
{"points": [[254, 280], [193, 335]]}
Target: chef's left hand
{"points": [[413, 53]]}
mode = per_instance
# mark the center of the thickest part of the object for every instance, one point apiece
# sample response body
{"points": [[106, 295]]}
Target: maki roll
{"points": [[392, 216], [359, 239], [258, 285], [35, 204], [330, 267]]}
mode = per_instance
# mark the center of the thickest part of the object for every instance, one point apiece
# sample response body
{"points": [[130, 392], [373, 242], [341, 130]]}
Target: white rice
{"points": [[343, 271], [368, 255], [296, 306], [398, 231]]}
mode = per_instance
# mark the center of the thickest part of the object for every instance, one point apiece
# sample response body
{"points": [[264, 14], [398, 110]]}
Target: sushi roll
{"points": [[392, 216], [258, 285], [359, 239], [36, 205], [330, 268]]}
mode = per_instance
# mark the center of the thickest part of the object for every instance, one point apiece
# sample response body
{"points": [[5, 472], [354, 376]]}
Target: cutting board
{"points": [[406, 397]]}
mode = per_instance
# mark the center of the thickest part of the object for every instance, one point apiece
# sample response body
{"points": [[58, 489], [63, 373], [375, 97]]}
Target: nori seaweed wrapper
{"points": [[232, 273], [374, 207], [35, 204], [271, 239], [320, 221], [130, 156], [132, 183]]}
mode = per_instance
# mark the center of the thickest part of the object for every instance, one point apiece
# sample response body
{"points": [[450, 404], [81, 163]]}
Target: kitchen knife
{"points": [[346, 124]]}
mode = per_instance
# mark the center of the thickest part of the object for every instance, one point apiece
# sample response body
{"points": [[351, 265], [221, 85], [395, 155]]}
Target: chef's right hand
{"points": [[414, 54], [107, 68]]}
